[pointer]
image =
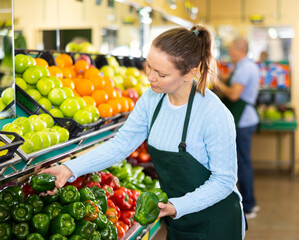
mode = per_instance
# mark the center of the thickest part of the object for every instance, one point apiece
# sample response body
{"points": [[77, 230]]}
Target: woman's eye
{"points": [[162, 76]]}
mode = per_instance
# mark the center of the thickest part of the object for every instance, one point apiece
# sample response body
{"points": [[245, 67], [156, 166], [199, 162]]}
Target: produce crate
{"points": [[8, 111], [29, 105], [278, 125], [10, 146]]}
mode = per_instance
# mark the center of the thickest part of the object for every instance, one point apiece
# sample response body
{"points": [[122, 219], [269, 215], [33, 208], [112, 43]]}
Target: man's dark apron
{"points": [[180, 173]]}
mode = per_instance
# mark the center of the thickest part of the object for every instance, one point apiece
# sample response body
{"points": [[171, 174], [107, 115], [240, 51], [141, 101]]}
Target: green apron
{"points": [[180, 173], [236, 108]]}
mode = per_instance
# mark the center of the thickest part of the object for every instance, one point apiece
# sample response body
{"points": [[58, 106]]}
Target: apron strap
{"points": [[182, 145], [156, 112]]}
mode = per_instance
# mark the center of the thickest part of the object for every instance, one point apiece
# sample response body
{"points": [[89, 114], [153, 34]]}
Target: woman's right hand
{"points": [[62, 174]]}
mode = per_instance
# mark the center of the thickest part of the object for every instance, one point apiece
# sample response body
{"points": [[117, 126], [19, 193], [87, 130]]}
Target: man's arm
{"points": [[232, 92]]}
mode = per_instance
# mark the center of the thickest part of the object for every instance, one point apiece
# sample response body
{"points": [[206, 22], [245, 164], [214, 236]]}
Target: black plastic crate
{"points": [[10, 147], [8, 111], [75, 129]]}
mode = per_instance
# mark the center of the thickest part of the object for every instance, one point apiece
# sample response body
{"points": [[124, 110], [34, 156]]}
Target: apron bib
{"points": [[180, 173]]}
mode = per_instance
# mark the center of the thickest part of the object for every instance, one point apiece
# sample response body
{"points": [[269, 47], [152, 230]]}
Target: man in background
{"points": [[240, 93]]}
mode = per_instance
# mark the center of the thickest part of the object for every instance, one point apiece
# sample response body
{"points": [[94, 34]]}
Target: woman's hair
{"points": [[188, 49]]}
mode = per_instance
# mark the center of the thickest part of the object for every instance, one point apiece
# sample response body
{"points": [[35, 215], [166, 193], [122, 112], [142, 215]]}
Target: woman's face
{"points": [[161, 73]]}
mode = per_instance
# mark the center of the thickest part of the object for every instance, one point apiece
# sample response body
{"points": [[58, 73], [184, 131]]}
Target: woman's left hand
{"points": [[166, 209]]}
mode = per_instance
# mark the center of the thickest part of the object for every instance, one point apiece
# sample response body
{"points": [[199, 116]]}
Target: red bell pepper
{"points": [[91, 210], [91, 177], [122, 224], [135, 195], [112, 205], [111, 214], [127, 217], [91, 184], [114, 183], [122, 198], [78, 183], [108, 190], [27, 189], [105, 177]]}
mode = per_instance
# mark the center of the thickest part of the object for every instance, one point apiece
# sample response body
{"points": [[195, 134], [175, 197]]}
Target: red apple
{"points": [[86, 58], [130, 93]]}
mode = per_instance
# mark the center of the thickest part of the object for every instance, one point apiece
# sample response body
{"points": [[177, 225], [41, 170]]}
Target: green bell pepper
{"points": [[53, 209], [11, 195], [75, 209], [155, 184], [5, 214], [96, 236], [43, 182], [69, 194], [5, 231], [36, 202], [101, 198], [105, 232], [57, 236], [147, 180], [136, 170], [86, 194], [40, 223], [47, 199], [147, 209], [101, 221], [20, 230], [35, 236], [160, 194], [140, 176], [22, 212], [75, 237], [85, 228], [113, 231], [63, 224]]}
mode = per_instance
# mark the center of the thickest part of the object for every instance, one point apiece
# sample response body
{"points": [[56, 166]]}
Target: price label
{"points": [[146, 236]]}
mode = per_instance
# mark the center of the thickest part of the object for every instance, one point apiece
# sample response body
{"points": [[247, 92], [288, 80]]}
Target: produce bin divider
{"points": [[10, 146]]}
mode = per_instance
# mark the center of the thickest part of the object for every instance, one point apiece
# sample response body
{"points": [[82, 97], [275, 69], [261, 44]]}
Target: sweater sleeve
{"points": [[220, 146], [127, 139]]}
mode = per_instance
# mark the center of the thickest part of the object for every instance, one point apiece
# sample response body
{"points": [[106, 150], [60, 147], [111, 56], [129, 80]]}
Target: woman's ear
{"points": [[191, 74]]}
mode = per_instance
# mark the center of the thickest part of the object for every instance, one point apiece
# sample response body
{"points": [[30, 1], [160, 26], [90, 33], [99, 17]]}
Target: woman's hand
{"points": [[62, 173], [166, 209]]}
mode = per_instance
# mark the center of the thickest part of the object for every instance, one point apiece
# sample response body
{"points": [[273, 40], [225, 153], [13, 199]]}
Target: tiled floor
{"points": [[278, 218]]}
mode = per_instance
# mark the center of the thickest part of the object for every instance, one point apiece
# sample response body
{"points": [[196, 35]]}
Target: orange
{"points": [[100, 96], [89, 100], [116, 106], [76, 94], [109, 82], [55, 71], [105, 110], [76, 79], [118, 92], [64, 60], [131, 104], [81, 66], [98, 82], [66, 82], [91, 73], [84, 87], [112, 93], [41, 62], [68, 72], [124, 102]]}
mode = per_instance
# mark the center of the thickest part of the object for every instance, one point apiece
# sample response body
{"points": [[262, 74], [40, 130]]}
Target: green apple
{"points": [[47, 119], [8, 95], [94, 112], [83, 117], [69, 93], [72, 47], [132, 71], [34, 94], [11, 127], [2, 105], [57, 96], [37, 122], [32, 75], [130, 82], [45, 85], [57, 82], [81, 102], [22, 62], [54, 135], [112, 61], [25, 124], [107, 70], [3, 152], [86, 47], [27, 146], [45, 71], [21, 83], [30, 86], [69, 107], [45, 102], [63, 133], [46, 138], [55, 112], [36, 139]]}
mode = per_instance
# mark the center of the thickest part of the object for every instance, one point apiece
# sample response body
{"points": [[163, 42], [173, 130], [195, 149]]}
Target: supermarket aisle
{"points": [[279, 215]]}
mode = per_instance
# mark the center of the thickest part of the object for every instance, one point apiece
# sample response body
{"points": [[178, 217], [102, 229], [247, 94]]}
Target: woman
{"points": [[191, 140]]}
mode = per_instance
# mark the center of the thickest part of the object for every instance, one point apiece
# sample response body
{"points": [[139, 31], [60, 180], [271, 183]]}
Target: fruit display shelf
{"points": [[20, 166], [278, 125]]}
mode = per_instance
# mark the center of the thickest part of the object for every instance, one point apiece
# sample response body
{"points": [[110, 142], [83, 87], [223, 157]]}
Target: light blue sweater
{"points": [[210, 139]]}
